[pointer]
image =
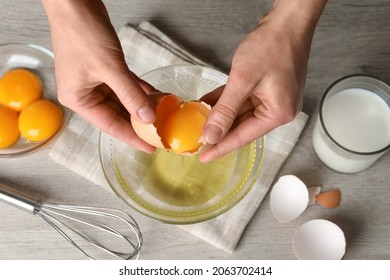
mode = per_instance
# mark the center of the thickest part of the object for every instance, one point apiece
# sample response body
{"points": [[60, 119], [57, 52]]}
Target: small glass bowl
{"points": [[174, 188], [39, 61]]}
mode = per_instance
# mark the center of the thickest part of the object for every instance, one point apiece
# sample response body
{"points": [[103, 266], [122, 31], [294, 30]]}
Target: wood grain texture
{"points": [[351, 37]]}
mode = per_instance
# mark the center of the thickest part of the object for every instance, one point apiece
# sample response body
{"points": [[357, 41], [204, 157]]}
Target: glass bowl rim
{"points": [[255, 172]]}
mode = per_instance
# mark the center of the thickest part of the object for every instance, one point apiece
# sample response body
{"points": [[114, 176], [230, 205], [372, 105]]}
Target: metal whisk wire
{"points": [[49, 212], [60, 217]]}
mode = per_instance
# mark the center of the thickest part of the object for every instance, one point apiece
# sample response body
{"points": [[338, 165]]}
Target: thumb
{"points": [[132, 95]]}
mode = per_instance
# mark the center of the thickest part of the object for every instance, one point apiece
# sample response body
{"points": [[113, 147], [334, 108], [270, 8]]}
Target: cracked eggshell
{"points": [[167, 104], [319, 239], [289, 198], [329, 199]]}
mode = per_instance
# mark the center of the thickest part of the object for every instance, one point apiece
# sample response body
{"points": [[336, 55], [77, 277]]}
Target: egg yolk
{"points": [[18, 88], [9, 132], [40, 120], [183, 128]]}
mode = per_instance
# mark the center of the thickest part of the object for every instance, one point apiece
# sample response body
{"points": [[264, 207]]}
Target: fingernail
{"points": [[146, 113], [212, 134]]}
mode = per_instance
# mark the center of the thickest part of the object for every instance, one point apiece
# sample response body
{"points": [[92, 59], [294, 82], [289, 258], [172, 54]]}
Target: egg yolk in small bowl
{"points": [[9, 132], [18, 88], [40, 120], [24, 111]]}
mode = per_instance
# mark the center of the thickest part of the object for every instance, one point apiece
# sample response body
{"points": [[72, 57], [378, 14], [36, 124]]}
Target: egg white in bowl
{"points": [[176, 188]]}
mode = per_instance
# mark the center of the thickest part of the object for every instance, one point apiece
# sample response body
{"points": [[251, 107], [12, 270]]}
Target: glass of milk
{"points": [[352, 129]]}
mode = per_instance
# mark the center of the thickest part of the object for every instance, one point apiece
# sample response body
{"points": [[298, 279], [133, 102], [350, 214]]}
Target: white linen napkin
{"points": [[147, 48]]}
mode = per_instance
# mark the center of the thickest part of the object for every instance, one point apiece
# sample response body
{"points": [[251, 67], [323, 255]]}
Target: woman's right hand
{"points": [[92, 76]]}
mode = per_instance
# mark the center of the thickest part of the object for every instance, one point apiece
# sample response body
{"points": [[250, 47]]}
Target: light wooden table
{"points": [[352, 37]]}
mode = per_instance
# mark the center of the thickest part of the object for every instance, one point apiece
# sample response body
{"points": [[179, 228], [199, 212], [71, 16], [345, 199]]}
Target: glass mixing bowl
{"points": [[175, 188], [39, 61]]}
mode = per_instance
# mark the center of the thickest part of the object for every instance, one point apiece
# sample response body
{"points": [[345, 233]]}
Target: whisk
{"points": [[69, 220]]}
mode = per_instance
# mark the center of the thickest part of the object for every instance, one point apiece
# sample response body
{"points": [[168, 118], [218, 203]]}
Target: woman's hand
{"points": [[266, 82], [92, 76]]}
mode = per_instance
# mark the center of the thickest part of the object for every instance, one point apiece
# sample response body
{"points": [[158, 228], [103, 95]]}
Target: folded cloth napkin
{"points": [[147, 48]]}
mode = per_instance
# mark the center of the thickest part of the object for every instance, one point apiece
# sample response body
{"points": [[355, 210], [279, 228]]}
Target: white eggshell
{"points": [[313, 191], [289, 198], [319, 240]]}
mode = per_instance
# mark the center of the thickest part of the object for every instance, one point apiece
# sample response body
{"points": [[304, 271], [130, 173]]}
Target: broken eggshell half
{"points": [[319, 239], [178, 125], [289, 198]]}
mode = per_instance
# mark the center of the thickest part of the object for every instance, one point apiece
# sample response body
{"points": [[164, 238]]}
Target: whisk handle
{"points": [[18, 199]]}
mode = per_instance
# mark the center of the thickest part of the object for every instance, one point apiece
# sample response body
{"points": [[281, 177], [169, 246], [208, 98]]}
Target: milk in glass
{"points": [[354, 132]]}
